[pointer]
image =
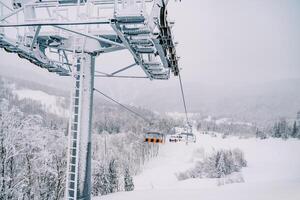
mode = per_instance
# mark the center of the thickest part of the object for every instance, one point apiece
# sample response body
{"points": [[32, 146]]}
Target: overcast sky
{"points": [[220, 42], [238, 40]]}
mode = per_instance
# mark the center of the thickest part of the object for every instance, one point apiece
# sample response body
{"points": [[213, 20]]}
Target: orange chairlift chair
{"points": [[154, 137]]}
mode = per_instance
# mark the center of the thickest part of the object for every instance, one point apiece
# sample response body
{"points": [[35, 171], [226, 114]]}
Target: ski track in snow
{"points": [[273, 172]]}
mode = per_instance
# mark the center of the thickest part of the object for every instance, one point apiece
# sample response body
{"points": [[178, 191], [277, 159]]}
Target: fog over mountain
{"points": [[238, 58], [254, 102], [260, 102]]}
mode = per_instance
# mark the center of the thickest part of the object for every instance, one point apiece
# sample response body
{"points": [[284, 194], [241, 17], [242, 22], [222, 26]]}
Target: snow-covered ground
{"points": [[273, 172]]}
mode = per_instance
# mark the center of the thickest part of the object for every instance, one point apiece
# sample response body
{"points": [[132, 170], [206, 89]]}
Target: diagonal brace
{"points": [[123, 69], [101, 39]]}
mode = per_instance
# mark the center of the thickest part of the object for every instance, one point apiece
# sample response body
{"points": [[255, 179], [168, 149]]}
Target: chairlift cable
{"points": [[123, 106], [183, 99]]}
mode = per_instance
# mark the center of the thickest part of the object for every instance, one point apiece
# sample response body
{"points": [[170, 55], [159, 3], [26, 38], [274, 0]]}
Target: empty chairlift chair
{"points": [[188, 136]]}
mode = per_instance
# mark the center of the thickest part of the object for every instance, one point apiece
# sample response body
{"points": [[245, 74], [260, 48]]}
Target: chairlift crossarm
{"points": [[145, 33]]}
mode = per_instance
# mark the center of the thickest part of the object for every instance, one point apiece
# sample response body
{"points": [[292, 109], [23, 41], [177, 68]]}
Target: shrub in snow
{"points": [[217, 165], [261, 134], [183, 175]]}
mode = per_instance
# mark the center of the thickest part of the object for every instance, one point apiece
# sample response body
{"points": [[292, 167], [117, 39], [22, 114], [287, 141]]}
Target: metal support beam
{"points": [[51, 23], [11, 14], [37, 32], [6, 6], [127, 45], [109, 76], [101, 39], [80, 129], [123, 69]]}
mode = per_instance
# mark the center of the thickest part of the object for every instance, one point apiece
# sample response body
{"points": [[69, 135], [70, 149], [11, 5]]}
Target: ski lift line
{"points": [[115, 76], [123, 106], [183, 99], [103, 73]]}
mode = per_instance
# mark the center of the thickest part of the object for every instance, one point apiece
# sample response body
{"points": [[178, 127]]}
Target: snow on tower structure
{"points": [[45, 32], [65, 37]]}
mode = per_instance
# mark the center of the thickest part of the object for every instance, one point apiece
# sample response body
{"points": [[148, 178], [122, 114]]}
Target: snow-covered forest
{"points": [[32, 149], [278, 128], [33, 144]]}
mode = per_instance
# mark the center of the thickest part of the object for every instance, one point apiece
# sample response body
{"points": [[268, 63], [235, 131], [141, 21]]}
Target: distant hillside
{"points": [[257, 102]]}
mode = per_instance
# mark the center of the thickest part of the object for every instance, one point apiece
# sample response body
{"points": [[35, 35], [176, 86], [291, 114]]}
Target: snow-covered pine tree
{"points": [[294, 130], [220, 164], [113, 176], [128, 180], [100, 181], [276, 130], [221, 167], [284, 129], [230, 165]]}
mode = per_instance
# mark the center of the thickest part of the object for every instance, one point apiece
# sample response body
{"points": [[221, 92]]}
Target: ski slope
{"points": [[50, 103], [273, 172]]}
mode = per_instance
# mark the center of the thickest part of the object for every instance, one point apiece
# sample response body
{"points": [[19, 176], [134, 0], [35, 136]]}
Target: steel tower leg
{"points": [[78, 182]]}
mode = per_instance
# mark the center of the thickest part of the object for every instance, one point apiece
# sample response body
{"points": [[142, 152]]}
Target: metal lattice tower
{"points": [[65, 37]]}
